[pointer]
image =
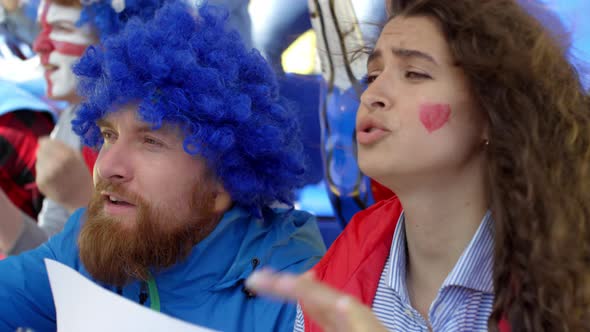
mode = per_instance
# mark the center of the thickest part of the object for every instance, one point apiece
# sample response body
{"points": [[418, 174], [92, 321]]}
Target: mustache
{"points": [[118, 190]]}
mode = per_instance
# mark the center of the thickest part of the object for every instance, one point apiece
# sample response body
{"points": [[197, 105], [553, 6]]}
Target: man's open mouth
{"points": [[50, 67], [116, 200]]}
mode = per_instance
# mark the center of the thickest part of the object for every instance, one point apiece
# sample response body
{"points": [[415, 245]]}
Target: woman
{"points": [[479, 124]]}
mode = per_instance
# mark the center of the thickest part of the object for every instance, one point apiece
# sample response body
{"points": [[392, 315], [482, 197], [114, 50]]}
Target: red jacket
{"points": [[354, 262]]}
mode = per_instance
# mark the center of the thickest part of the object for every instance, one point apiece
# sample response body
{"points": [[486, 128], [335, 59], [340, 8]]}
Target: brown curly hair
{"points": [[538, 158]]}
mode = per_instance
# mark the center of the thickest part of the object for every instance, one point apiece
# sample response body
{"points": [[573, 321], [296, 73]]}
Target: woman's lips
{"points": [[370, 131], [371, 136]]}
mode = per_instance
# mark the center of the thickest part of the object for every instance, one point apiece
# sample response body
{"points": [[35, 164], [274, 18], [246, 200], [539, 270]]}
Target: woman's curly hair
{"points": [[189, 70], [538, 158]]}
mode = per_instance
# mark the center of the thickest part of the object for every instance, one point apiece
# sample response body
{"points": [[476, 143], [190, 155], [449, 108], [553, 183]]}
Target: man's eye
{"points": [[108, 135], [63, 29], [152, 141], [417, 75]]}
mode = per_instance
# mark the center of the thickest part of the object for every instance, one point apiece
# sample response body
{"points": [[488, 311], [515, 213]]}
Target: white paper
{"points": [[82, 305]]}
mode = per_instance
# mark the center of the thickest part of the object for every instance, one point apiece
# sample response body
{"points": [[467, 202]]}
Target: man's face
{"points": [[60, 44], [153, 201]]}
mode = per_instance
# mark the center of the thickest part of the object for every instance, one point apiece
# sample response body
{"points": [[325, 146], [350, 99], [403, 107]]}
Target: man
{"points": [[195, 153], [68, 27]]}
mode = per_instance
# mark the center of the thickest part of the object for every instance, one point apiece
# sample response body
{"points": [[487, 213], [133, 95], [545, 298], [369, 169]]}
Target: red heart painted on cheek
{"points": [[434, 116]]}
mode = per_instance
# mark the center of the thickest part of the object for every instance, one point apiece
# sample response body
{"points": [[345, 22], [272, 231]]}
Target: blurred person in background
{"points": [[24, 118]]}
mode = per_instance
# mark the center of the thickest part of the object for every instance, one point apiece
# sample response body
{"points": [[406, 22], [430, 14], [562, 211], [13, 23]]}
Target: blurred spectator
{"points": [[18, 25], [23, 119]]}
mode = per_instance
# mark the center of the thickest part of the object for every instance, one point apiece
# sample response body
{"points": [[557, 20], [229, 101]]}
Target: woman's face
{"points": [[417, 118]]}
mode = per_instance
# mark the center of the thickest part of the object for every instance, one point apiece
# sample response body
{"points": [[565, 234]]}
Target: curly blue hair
{"points": [[192, 71], [106, 21]]}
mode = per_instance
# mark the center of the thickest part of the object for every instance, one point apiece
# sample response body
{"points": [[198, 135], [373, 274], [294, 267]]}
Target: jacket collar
{"points": [[241, 243]]}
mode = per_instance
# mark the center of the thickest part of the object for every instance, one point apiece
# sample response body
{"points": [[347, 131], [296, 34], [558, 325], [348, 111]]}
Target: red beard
{"points": [[117, 254]]}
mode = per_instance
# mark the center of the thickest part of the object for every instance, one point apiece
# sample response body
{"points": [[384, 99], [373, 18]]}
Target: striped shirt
{"points": [[464, 301]]}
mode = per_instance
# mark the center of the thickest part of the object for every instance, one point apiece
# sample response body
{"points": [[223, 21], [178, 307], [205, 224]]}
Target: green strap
{"points": [[154, 296]]}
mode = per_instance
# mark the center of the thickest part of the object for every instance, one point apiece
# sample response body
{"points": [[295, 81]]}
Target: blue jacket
{"points": [[205, 289]]}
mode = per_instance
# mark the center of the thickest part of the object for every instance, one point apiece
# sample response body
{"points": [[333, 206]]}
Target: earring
{"points": [[486, 142]]}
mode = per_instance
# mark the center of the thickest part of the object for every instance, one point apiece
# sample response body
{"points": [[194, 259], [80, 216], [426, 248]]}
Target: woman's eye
{"points": [[370, 79]]}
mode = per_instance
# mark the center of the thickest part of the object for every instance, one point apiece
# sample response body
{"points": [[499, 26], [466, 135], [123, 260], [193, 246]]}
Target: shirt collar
{"points": [[396, 276], [473, 269]]}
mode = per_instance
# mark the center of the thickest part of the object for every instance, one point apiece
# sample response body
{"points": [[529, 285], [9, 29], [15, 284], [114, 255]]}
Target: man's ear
{"points": [[222, 199]]}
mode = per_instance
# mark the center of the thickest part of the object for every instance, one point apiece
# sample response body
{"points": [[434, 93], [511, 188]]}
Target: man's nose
{"points": [[114, 163], [43, 44]]}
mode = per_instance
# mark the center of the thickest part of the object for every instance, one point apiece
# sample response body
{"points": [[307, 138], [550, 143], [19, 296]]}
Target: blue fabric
{"points": [[13, 98], [349, 190], [195, 290], [302, 92]]}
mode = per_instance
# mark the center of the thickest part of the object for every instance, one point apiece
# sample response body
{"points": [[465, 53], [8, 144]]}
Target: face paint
{"points": [[434, 116], [60, 44], [42, 44]]}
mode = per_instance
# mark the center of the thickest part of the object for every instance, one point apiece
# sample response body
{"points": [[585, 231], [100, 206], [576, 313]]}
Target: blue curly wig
{"points": [[191, 71], [106, 21]]}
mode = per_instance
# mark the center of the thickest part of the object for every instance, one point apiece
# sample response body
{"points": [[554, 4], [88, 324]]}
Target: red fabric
{"points": [[89, 157], [504, 326], [354, 262], [380, 192], [19, 134]]}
